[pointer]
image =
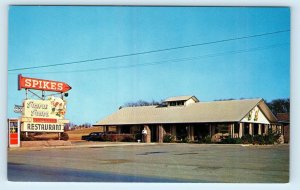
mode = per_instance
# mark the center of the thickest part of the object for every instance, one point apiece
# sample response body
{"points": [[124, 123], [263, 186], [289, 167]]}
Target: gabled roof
{"points": [[180, 98], [201, 112]]}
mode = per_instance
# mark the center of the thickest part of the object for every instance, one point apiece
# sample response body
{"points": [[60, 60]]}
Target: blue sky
{"points": [[248, 67]]}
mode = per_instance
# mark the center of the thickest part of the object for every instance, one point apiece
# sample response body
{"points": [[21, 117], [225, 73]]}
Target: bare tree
{"points": [[141, 103]]}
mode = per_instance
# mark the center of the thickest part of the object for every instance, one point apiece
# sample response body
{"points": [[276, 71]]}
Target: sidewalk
{"points": [[84, 144]]}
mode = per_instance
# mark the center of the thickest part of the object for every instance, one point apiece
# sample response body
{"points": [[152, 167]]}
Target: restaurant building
{"points": [[185, 117]]}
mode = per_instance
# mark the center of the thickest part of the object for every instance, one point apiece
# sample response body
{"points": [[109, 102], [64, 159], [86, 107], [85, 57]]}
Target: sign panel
{"points": [[42, 127], [44, 120], [14, 133], [18, 109], [41, 84], [44, 115], [54, 108]]}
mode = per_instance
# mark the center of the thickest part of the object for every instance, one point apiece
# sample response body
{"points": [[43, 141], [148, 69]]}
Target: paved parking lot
{"points": [[169, 162]]}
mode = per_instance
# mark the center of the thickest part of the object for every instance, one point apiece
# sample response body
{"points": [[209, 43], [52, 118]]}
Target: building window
{"points": [[176, 103], [172, 103], [222, 129], [180, 103]]}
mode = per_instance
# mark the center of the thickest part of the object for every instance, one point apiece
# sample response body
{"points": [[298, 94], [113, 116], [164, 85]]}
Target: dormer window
{"points": [[176, 103]]}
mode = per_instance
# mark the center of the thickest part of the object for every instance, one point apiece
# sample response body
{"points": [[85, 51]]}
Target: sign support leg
{"points": [[26, 94]]}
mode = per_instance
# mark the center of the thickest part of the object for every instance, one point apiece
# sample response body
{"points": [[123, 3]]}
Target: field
{"points": [[76, 134]]}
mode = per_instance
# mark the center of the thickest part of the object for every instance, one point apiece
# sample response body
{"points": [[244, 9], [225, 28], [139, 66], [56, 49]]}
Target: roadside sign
{"points": [[41, 84], [18, 109], [14, 132], [44, 114]]}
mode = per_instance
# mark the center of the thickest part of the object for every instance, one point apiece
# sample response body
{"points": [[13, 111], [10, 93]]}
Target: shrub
{"points": [[231, 141], [247, 139], [109, 137], [207, 139], [186, 140], [168, 138], [28, 138], [64, 136], [128, 138], [258, 139], [272, 138]]}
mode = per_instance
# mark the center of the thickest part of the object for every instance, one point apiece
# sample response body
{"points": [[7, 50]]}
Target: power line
{"points": [[152, 51], [165, 61]]}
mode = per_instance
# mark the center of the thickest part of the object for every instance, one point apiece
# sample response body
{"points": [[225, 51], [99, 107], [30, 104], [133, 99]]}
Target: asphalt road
{"points": [[153, 163], [23, 172]]}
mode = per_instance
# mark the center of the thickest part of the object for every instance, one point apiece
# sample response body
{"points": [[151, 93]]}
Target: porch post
{"points": [[213, 130], [241, 129], [280, 129], [250, 128], [273, 128], [118, 129], [232, 126], [148, 137], [188, 131], [191, 132], [259, 129], [173, 131], [160, 133], [266, 129]]}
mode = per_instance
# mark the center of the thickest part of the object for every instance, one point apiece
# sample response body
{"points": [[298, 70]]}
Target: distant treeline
{"points": [[279, 105]]}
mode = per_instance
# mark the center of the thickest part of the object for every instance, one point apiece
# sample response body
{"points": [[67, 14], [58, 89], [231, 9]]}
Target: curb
{"points": [[81, 146]]}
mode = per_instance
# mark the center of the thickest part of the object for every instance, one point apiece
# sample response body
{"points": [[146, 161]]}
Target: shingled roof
{"points": [[200, 112]]}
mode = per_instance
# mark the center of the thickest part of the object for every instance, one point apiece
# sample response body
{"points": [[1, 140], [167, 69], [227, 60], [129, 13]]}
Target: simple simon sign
{"points": [[44, 114]]}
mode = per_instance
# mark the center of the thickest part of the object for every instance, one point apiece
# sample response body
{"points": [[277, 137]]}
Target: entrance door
{"points": [[201, 131], [181, 132], [255, 126], [246, 128], [153, 129]]}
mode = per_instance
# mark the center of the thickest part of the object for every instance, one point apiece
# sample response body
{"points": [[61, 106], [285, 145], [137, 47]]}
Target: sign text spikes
{"points": [[41, 84]]}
